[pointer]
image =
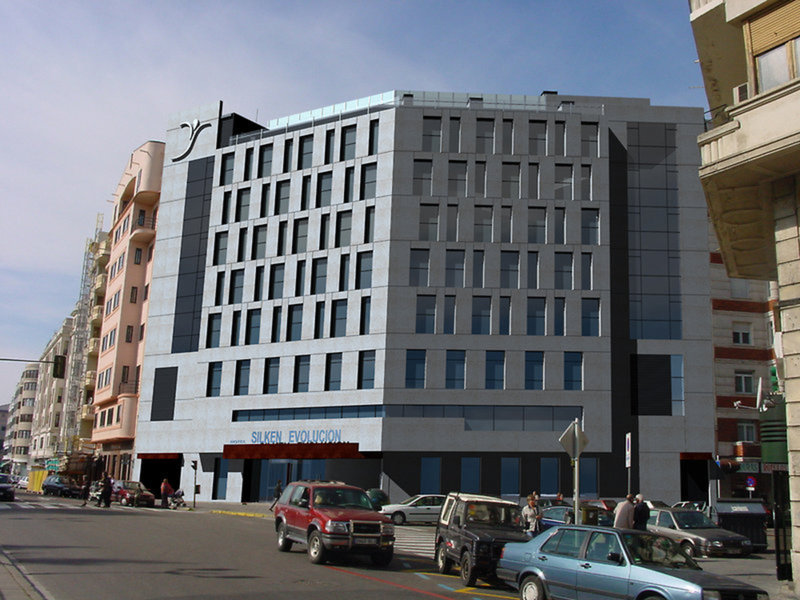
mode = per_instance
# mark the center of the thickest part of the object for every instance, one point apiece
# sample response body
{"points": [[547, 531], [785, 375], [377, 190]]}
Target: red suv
{"points": [[332, 517]]}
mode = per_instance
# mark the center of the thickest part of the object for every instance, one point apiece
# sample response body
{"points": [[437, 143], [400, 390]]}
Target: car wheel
{"points": [[398, 518], [383, 558], [443, 564], [316, 549], [284, 543], [531, 589], [688, 549], [468, 576]]}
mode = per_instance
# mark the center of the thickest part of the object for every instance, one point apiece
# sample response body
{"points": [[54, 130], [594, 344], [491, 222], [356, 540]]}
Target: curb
{"points": [[15, 582], [240, 514]]}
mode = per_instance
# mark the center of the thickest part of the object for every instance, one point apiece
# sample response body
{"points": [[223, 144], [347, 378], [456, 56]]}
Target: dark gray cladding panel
{"points": [[191, 269], [164, 385]]}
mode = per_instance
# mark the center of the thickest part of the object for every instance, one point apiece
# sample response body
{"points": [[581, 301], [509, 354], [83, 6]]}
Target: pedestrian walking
{"points": [[532, 514], [641, 513], [84, 490], [106, 486], [166, 492], [623, 513], [276, 494]]}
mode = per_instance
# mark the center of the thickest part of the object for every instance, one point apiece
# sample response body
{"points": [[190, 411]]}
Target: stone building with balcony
{"points": [[749, 54], [121, 325], [20, 421]]}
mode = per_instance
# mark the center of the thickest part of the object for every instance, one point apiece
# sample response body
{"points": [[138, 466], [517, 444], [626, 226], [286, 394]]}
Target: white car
{"points": [[22, 483], [422, 508]]}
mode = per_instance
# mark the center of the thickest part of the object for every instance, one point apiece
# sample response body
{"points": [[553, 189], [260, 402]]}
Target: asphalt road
{"points": [[75, 553]]}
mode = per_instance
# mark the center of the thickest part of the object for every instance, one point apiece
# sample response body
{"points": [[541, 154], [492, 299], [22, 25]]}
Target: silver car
{"points": [[696, 533], [422, 508]]}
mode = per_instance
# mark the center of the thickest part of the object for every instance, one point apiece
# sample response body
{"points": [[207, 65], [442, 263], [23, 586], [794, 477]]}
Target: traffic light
{"points": [[194, 465], [59, 366]]}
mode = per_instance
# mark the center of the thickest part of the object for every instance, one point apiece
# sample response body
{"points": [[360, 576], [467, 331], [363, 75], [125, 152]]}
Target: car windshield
{"points": [[4, 478], [408, 501], [649, 549], [494, 514], [342, 498], [692, 519]]}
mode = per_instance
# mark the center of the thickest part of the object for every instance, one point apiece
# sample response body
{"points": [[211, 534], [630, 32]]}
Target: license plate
{"points": [[365, 541], [734, 550]]}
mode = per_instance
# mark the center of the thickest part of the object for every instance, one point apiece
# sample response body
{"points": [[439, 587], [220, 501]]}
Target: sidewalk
{"points": [[255, 510], [14, 582]]}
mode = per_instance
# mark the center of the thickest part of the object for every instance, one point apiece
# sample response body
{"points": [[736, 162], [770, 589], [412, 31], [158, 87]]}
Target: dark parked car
{"points": [[747, 516], [568, 561], [604, 503], [471, 532], [132, 493], [564, 515], [331, 517], [6, 487], [696, 533], [378, 497], [61, 485]]}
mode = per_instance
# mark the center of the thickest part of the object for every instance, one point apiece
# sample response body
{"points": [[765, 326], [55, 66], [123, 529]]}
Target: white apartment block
{"points": [[421, 291], [20, 421]]}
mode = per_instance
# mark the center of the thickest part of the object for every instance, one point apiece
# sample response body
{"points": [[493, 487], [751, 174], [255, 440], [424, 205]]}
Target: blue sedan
{"points": [[572, 562]]}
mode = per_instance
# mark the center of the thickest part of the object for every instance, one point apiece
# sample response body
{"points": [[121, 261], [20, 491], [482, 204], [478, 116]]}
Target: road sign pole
{"points": [[573, 440]]}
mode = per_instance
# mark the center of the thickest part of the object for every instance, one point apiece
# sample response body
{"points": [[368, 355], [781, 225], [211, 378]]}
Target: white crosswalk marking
{"points": [[46, 505], [416, 541]]}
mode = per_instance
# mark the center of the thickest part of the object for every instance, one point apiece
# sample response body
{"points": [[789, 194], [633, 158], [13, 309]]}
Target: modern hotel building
{"points": [[421, 291]]}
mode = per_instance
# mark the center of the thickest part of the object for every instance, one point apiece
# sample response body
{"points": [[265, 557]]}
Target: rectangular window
{"points": [[300, 237], [258, 284], [369, 224], [214, 379], [364, 322], [562, 187], [236, 327], [743, 382], [265, 161], [451, 234], [220, 247], [559, 316], [449, 315], [589, 139], [481, 315], [305, 192], [477, 268], [510, 183], [508, 136], [319, 275], [454, 268], [534, 370], [457, 179], [588, 476], [242, 205], [423, 178], [226, 169], [333, 372], [302, 368], [415, 369], [455, 369], [282, 189], [418, 268], [237, 286], [509, 269], [537, 138], [470, 474], [483, 224], [349, 183], [495, 369], [253, 326], [344, 272], [276, 324], [319, 320], [348, 143], [559, 226], [271, 371], [509, 473], [343, 228], [294, 325], [306, 155], [241, 249], [288, 146], [533, 181], [431, 134], [374, 128], [276, 276], [242, 379], [560, 138], [537, 225], [213, 330], [300, 279], [586, 271], [741, 333], [330, 147], [484, 136], [590, 316], [366, 369], [339, 318], [573, 370], [364, 270], [263, 209], [533, 270], [563, 271], [746, 431], [590, 226], [129, 333], [134, 294], [586, 182], [324, 188], [430, 475], [426, 314], [259, 242], [536, 316], [480, 179], [226, 208], [504, 327], [248, 164], [369, 181], [505, 224], [137, 256], [429, 222]]}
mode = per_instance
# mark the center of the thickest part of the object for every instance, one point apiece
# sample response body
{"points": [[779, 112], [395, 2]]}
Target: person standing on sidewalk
{"points": [[166, 492], [84, 490], [623, 513], [641, 513]]}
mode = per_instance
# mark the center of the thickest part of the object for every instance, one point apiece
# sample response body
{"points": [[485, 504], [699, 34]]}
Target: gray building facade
{"points": [[420, 291]]}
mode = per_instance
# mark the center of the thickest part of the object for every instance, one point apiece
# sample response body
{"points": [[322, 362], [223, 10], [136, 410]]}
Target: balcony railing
{"points": [[129, 387]]}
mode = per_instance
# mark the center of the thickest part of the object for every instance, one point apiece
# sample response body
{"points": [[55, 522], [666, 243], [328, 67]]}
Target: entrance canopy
{"points": [[334, 450]]}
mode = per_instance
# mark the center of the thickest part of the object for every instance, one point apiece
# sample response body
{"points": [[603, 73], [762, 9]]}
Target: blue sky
{"points": [[87, 82]]}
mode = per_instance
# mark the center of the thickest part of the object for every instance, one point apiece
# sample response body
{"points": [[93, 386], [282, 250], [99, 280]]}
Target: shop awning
{"points": [[334, 450], [159, 455]]}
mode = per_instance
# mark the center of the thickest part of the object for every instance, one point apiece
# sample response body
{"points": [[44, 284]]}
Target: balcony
{"points": [[93, 347], [743, 450], [130, 388], [87, 412], [102, 252], [143, 230], [96, 316], [90, 380], [99, 284]]}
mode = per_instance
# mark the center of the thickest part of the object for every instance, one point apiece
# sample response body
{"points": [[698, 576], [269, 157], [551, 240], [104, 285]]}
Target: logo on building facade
{"points": [[195, 127]]}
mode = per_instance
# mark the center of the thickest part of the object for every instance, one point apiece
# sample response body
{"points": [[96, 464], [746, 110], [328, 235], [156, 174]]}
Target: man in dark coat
{"points": [[641, 513]]}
